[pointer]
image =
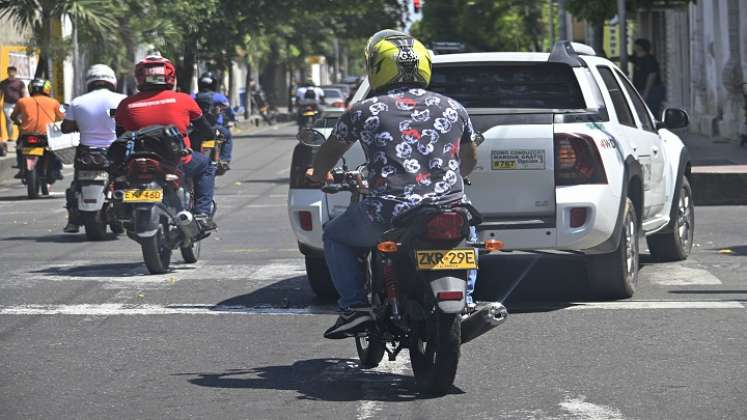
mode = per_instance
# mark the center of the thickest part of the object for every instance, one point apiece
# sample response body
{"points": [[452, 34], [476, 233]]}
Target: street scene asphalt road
{"points": [[85, 332]]}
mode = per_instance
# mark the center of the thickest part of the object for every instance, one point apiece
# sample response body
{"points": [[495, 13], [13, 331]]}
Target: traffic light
{"points": [[416, 5]]}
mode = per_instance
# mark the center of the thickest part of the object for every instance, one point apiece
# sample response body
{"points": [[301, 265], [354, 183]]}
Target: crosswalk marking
{"points": [[677, 274], [112, 309]]}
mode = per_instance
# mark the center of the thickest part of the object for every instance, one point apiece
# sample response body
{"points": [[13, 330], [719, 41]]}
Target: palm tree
{"points": [[41, 17]]}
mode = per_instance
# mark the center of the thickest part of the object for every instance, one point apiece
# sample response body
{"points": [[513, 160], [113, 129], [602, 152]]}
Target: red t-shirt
{"points": [[161, 107]]}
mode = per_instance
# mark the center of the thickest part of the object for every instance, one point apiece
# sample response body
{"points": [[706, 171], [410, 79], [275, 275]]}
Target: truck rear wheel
{"points": [[615, 275], [676, 244], [319, 278]]}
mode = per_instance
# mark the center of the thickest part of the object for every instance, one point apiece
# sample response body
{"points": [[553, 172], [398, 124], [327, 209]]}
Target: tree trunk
{"points": [[597, 41], [247, 89], [185, 75]]}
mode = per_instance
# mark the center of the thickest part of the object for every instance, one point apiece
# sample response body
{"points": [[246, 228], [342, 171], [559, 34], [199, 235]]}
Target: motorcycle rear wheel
{"points": [[32, 183], [371, 350], [191, 254], [95, 227], [156, 253], [435, 351]]}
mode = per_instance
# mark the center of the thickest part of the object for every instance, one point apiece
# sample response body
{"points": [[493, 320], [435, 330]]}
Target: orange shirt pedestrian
{"points": [[36, 113]]}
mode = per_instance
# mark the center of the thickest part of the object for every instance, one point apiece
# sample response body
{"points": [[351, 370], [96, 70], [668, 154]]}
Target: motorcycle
{"points": [[308, 116], [153, 199], [417, 282], [38, 164], [93, 193], [211, 148]]}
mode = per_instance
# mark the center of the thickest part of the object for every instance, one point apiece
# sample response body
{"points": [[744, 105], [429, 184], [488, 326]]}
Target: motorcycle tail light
{"points": [[442, 296], [143, 169], [304, 219], [338, 104], [32, 139], [449, 225], [577, 160]]}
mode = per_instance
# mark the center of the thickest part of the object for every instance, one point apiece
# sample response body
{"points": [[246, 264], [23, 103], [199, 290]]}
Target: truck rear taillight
{"points": [[304, 219], [577, 160]]}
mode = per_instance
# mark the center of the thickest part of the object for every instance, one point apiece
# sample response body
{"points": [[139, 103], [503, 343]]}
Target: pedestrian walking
{"points": [[647, 76], [11, 90]]}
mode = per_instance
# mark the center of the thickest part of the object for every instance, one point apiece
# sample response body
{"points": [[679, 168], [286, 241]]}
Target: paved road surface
{"points": [[85, 333]]}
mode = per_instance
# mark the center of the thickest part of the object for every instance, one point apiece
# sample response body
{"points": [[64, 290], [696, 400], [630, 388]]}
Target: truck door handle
{"points": [[655, 150]]}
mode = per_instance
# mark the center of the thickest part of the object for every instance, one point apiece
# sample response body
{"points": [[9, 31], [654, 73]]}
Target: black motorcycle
{"points": [[417, 283], [39, 165], [152, 197]]}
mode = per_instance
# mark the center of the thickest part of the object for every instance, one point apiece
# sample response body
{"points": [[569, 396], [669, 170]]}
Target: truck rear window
{"points": [[540, 86]]}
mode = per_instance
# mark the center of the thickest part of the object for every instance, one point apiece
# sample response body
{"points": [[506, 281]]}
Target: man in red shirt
{"points": [[158, 104]]}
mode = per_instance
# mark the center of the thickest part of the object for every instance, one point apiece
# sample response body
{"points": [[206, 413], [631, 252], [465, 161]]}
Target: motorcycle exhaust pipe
{"points": [[183, 218], [484, 319], [118, 195], [187, 223]]}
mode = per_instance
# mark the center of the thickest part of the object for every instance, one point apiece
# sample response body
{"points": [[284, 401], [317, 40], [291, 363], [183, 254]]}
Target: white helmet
{"points": [[101, 73]]}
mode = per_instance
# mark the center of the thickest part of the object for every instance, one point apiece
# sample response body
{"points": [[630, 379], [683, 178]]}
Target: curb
{"points": [[719, 185]]}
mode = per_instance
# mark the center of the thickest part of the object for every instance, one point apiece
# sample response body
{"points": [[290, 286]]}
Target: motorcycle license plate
{"points": [[309, 114], [92, 175], [451, 259], [208, 144], [33, 151], [143, 196]]}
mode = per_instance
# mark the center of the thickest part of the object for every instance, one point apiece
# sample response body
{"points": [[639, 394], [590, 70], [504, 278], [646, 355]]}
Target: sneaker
{"points": [[19, 175], [71, 228], [206, 222], [349, 323]]}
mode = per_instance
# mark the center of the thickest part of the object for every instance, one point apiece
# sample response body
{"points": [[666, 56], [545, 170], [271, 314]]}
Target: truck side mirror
{"points": [[673, 119]]}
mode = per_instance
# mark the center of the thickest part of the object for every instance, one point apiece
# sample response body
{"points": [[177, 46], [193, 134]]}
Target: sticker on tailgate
{"points": [[517, 159]]}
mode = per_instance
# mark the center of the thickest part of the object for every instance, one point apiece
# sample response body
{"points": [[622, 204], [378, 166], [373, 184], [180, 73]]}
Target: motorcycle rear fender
{"points": [[31, 162], [147, 220], [91, 196], [449, 281]]}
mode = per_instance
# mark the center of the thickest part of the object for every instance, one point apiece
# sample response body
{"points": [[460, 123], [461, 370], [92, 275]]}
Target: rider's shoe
{"points": [[349, 323], [206, 222], [71, 228], [225, 165], [19, 175]]}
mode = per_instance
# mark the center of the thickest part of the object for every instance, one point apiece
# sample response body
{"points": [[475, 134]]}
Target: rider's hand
{"points": [[318, 180]]}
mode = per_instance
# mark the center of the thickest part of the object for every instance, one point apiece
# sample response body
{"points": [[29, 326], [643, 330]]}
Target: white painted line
{"points": [[678, 275], [370, 405], [580, 409], [110, 309], [656, 304]]}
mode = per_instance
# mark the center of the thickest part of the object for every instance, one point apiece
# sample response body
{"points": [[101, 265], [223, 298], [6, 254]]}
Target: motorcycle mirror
{"points": [[478, 138], [310, 137]]}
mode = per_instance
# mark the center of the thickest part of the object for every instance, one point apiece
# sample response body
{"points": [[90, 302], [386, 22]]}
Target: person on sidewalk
{"points": [[647, 76], [91, 115], [33, 114], [11, 90]]}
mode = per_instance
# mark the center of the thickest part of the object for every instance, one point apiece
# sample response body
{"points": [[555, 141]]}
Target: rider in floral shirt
{"points": [[412, 139], [418, 146]]}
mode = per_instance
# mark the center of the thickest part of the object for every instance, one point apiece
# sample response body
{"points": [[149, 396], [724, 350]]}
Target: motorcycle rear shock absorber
{"points": [[392, 288]]}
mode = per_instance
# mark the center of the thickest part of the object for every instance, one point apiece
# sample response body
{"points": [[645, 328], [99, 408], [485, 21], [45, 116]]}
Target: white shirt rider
{"points": [[302, 90], [91, 112]]}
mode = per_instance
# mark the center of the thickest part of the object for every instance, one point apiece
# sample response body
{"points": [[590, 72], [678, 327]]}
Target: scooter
{"points": [[38, 164], [93, 193]]}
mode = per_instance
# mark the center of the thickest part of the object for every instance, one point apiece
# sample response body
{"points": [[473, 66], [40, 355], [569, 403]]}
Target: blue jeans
{"points": [[226, 151], [349, 237], [202, 174]]}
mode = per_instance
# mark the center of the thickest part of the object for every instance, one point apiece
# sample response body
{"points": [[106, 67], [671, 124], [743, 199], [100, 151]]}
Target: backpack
{"points": [[207, 105]]}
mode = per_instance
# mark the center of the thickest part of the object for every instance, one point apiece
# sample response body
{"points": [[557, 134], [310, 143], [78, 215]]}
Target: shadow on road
{"points": [[114, 270], [318, 380], [60, 238], [26, 198], [293, 292]]}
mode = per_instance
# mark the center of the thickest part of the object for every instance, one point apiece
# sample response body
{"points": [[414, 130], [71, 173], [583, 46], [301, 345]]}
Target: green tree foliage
{"points": [[483, 25]]}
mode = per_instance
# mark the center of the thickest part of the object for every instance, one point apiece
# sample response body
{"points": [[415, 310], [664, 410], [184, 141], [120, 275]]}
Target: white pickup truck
{"points": [[573, 160]]}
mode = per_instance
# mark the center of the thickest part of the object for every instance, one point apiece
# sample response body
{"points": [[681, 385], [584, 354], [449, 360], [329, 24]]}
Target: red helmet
{"points": [[155, 71]]}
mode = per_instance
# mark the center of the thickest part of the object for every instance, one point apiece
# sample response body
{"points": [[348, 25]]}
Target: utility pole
{"points": [[552, 23], [562, 21], [622, 21]]}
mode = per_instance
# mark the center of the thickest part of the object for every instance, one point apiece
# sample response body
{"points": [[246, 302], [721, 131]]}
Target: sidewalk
{"points": [[719, 170]]}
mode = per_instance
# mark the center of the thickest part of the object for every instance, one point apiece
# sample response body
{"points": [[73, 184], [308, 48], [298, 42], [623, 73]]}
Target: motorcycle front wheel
{"points": [[435, 351], [32, 183], [156, 252], [95, 227], [371, 350], [191, 254]]}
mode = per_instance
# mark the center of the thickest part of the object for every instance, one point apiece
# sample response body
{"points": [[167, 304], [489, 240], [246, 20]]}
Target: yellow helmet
{"points": [[393, 57]]}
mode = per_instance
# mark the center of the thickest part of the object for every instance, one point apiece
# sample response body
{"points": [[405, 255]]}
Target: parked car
{"points": [[334, 98], [573, 160]]}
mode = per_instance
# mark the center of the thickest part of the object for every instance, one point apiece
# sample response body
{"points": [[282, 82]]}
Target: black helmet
{"points": [[207, 81], [309, 94]]}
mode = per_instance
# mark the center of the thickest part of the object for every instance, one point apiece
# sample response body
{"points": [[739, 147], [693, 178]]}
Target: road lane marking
{"points": [[580, 409], [371, 405], [110, 309], [678, 275]]}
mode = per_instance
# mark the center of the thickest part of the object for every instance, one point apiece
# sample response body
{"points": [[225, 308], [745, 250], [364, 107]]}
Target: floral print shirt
{"points": [[411, 138]]}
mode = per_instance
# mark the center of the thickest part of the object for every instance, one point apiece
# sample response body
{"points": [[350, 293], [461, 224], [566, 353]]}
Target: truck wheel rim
{"points": [[630, 246], [684, 218]]}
